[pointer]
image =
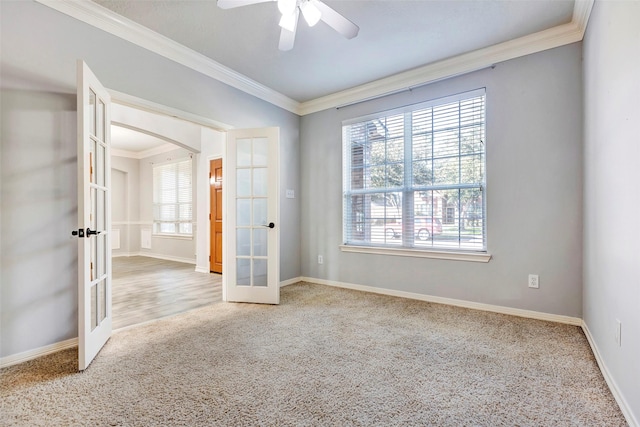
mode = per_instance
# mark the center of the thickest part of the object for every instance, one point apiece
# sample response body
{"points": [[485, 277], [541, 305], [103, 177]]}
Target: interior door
{"points": [[215, 209], [251, 224], [94, 217]]}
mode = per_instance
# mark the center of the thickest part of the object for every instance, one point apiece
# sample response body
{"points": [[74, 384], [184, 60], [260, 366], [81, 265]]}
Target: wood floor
{"points": [[147, 288]]}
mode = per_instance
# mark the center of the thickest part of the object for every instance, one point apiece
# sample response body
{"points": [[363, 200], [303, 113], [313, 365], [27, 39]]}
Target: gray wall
{"points": [[612, 195], [534, 191], [38, 267], [38, 66], [125, 202]]}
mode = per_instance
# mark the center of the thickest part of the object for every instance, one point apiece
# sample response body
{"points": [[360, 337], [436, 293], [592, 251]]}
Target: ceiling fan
{"points": [[312, 11]]}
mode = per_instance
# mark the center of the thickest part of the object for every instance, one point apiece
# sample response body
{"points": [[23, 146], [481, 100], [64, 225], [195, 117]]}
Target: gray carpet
{"points": [[325, 356]]}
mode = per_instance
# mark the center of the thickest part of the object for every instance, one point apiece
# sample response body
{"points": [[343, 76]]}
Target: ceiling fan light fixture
{"points": [[310, 12], [313, 11], [287, 7], [288, 22]]}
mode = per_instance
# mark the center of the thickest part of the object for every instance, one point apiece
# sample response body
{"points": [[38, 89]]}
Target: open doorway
{"points": [[159, 227]]}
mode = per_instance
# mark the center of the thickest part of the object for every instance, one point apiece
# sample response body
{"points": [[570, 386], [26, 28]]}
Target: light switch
{"points": [[291, 194]]}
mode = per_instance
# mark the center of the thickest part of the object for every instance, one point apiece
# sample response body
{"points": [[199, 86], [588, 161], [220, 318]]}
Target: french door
{"points": [[94, 216], [251, 224]]}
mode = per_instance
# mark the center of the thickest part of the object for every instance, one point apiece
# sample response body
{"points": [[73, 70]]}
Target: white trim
{"points": [[168, 257], [155, 255], [173, 236], [576, 321], [127, 254], [25, 356], [100, 17], [202, 270], [153, 107], [290, 281], [128, 223], [457, 65], [162, 149], [138, 155], [419, 253], [581, 12], [613, 386]]}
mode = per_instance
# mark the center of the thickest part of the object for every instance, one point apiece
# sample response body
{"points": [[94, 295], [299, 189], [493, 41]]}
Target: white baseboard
{"points": [[202, 270], [121, 254], [576, 321], [25, 356], [157, 256], [290, 281], [613, 386]]}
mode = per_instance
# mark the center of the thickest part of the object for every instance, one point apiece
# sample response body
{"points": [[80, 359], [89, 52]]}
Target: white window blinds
{"points": [[415, 177], [172, 198]]}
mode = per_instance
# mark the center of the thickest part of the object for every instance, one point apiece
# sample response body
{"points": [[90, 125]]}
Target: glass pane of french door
{"points": [[252, 182]]}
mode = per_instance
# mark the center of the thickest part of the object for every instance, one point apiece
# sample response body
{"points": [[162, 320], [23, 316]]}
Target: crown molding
{"points": [[155, 108], [455, 66], [106, 20], [100, 17], [581, 12], [139, 155]]}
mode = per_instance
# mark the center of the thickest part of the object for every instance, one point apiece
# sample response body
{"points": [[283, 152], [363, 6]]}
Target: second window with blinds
{"points": [[172, 198], [415, 177]]}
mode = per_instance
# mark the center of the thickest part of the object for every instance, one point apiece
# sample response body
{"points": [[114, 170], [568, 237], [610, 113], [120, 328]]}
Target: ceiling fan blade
{"points": [[288, 37], [230, 4], [336, 21]]}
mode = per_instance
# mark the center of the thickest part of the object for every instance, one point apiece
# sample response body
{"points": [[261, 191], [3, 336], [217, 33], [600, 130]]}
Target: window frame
{"points": [[408, 245], [155, 204]]}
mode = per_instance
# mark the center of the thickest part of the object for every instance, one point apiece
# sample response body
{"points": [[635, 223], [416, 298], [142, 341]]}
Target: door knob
{"points": [[91, 232], [271, 225]]}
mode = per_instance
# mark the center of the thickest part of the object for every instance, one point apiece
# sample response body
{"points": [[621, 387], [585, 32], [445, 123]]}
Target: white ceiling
{"points": [[132, 140], [395, 36]]}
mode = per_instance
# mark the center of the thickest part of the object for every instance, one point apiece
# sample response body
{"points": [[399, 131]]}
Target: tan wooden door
{"points": [[215, 216]]}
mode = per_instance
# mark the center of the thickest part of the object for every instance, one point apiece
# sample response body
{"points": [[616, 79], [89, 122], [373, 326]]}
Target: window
{"points": [[172, 198], [415, 177]]}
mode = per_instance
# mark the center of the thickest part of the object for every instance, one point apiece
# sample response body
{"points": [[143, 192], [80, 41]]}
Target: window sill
{"points": [[419, 253], [174, 236]]}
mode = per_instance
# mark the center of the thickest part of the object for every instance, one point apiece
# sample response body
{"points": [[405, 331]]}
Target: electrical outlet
{"points": [[534, 281], [320, 259], [618, 333]]}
